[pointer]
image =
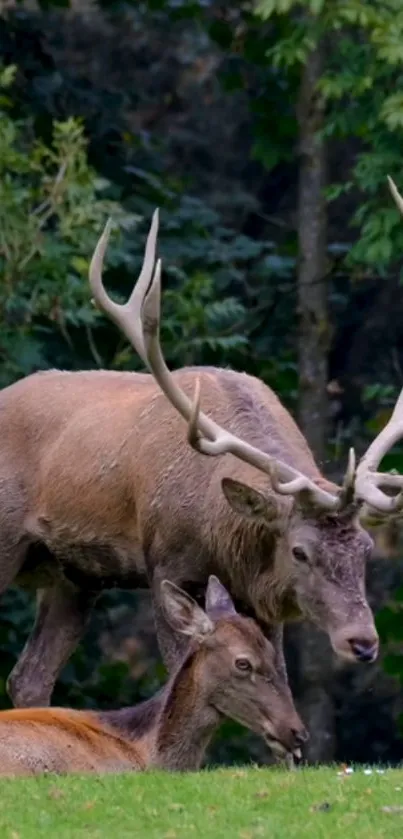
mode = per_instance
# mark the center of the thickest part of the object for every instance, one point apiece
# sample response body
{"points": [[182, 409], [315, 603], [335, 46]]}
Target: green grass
{"points": [[231, 803]]}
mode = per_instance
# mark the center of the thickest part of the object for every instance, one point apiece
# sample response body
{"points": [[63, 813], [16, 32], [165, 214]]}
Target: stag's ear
{"points": [[249, 502], [218, 601], [182, 612]]}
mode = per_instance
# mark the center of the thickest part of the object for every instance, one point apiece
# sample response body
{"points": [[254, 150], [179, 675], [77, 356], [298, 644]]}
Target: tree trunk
{"points": [[314, 695], [312, 290], [316, 703]]}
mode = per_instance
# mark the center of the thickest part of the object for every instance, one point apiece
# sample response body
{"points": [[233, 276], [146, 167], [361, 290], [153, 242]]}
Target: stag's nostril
{"points": [[364, 650], [300, 736]]}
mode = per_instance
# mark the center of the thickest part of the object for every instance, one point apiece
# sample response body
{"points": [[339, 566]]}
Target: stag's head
{"points": [[321, 547], [234, 666], [317, 567]]}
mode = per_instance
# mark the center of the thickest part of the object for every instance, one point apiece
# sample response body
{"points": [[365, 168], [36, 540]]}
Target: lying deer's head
{"points": [[234, 666]]}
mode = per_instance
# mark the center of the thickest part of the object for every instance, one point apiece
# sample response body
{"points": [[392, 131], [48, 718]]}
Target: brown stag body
{"points": [[228, 670], [98, 489], [106, 504]]}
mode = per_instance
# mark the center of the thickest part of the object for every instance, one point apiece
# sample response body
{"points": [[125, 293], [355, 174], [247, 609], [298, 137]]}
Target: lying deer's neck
{"points": [[176, 725]]}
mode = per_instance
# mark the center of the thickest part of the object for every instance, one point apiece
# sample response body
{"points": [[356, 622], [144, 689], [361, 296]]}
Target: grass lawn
{"points": [[231, 803]]}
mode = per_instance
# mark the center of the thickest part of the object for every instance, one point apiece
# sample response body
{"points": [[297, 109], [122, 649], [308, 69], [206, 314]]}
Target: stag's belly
{"points": [[93, 566], [100, 567]]}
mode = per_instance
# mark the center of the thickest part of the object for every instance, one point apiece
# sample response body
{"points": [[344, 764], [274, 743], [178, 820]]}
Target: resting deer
{"points": [[228, 671], [98, 488]]}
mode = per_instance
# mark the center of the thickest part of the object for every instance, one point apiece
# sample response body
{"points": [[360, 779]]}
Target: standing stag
{"points": [[99, 489], [228, 671]]}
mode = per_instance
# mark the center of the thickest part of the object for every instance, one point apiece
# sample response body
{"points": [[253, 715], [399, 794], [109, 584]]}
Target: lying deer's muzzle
{"points": [[288, 744]]}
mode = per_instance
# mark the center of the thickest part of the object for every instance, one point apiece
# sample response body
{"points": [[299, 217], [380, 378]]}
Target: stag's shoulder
{"points": [[226, 379], [244, 392]]}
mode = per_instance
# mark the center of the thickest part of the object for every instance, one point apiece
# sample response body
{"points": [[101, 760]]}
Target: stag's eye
{"points": [[243, 664], [300, 554]]}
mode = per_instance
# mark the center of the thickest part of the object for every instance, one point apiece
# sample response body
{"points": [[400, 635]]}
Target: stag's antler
{"points": [[139, 319], [127, 316], [368, 481]]}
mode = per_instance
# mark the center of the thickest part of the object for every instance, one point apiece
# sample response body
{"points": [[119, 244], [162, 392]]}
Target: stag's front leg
{"points": [[62, 614], [275, 634]]}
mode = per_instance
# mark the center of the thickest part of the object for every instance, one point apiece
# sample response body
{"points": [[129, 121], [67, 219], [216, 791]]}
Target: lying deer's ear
{"points": [[249, 502], [183, 613], [218, 602]]}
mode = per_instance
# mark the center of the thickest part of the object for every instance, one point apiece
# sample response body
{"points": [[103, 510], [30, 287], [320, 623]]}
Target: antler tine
{"points": [[193, 428], [395, 193], [346, 493], [205, 435], [150, 321], [127, 315], [368, 480]]}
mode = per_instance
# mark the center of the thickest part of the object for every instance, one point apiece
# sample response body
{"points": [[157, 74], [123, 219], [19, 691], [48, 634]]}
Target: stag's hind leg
{"points": [[62, 614]]}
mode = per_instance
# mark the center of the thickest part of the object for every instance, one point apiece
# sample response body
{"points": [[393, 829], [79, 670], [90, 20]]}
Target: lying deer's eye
{"points": [[300, 554], [243, 664]]}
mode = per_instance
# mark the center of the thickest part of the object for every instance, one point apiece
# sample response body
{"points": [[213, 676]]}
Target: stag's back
{"points": [[50, 407], [104, 455]]}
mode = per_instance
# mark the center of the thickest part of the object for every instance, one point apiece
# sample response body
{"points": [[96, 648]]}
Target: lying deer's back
{"points": [[59, 740]]}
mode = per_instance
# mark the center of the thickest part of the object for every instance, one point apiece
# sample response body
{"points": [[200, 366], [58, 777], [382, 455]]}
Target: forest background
{"points": [[265, 132]]}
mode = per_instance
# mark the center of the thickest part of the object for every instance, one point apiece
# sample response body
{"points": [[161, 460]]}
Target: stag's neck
{"points": [[176, 725]]}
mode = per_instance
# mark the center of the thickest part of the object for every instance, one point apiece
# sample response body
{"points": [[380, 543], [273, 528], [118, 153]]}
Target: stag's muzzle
{"points": [[355, 643]]}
